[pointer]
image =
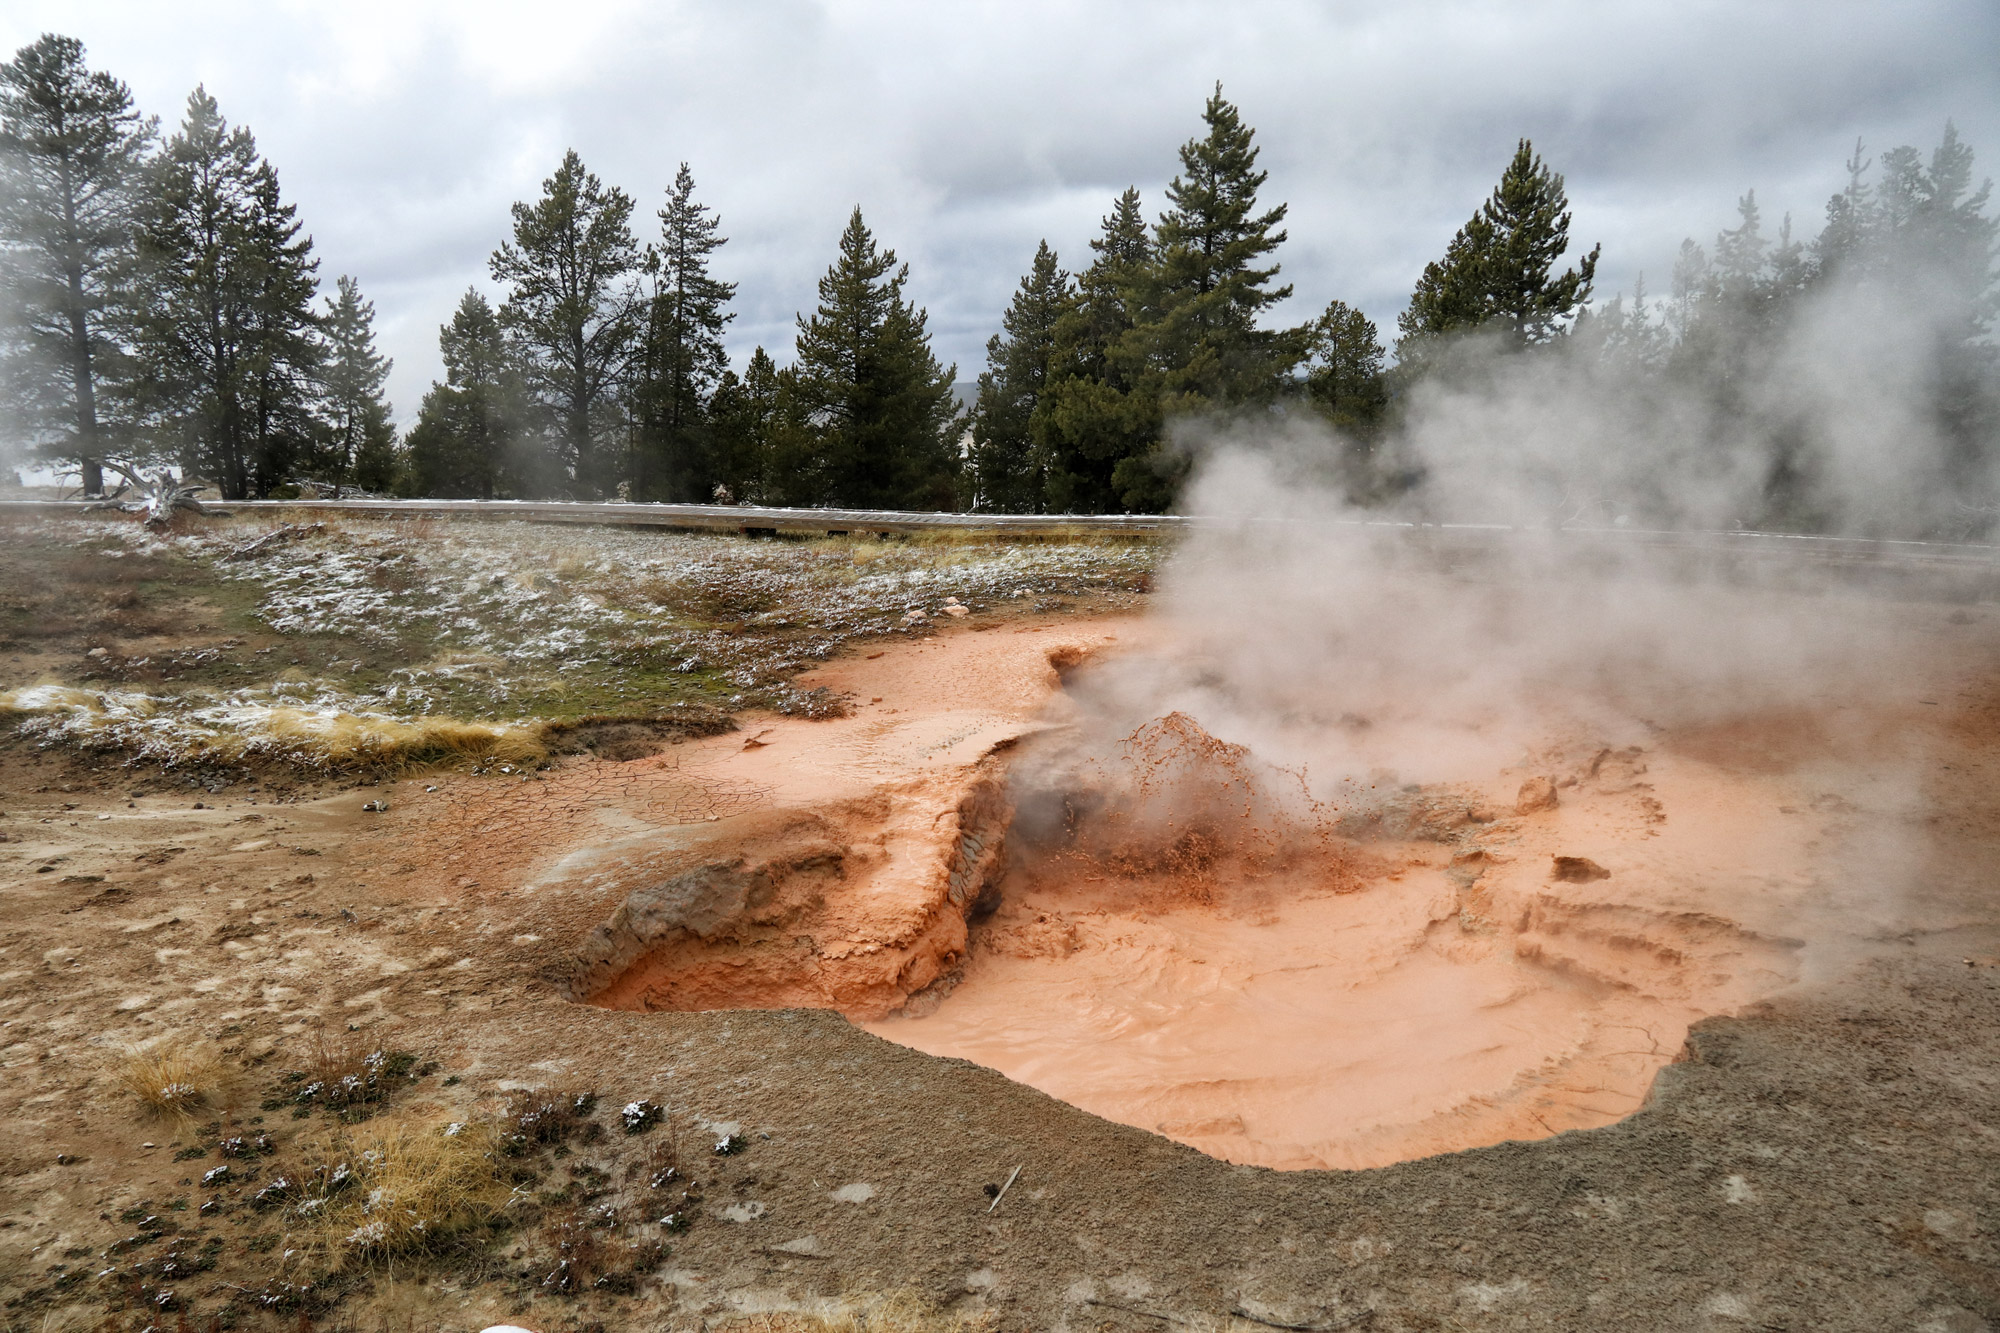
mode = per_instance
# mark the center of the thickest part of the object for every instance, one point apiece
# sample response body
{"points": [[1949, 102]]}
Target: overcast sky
{"points": [[403, 129]]}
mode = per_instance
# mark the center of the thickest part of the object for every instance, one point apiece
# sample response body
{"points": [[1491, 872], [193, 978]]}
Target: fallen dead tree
{"points": [[160, 497]]}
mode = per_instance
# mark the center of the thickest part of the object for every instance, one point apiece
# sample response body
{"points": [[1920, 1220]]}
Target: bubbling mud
{"points": [[1172, 933], [1200, 947]]}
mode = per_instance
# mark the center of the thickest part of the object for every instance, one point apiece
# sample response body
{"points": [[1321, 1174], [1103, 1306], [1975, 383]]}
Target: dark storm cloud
{"points": [[968, 132]]}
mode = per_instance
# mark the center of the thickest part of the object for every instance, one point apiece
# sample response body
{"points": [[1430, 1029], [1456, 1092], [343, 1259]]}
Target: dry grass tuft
{"points": [[351, 1077], [174, 1076], [320, 740], [72, 1319], [343, 741], [394, 1190], [571, 563]]}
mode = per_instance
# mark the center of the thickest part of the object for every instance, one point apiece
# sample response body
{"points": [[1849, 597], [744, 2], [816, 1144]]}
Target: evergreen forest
{"points": [[163, 307]]}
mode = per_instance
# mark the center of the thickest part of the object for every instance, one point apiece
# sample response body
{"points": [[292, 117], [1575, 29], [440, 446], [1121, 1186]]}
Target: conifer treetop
{"points": [[69, 135], [1123, 242], [355, 365], [854, 303], [1211, 235], [1500, 267], [471, 344]]}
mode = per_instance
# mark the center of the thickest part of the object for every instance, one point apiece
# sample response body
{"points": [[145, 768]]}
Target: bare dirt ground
{"points": [[1822, 1159]]}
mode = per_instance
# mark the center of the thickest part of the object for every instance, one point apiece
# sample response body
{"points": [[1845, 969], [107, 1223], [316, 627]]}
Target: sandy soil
{"points": [[1822, 1160]]}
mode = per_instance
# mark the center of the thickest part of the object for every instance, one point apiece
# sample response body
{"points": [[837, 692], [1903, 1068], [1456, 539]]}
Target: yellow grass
{"points": [[409, 1187], [572, 563], [333, 741], [352, 740], [172, 1076]]}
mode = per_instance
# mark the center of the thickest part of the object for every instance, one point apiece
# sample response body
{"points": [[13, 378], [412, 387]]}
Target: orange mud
{"points": [[1431, 995], [1411, 973], [842, 856]]}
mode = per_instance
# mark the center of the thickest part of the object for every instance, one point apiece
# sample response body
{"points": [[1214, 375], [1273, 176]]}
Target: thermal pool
{"points": [[1171, 933]]}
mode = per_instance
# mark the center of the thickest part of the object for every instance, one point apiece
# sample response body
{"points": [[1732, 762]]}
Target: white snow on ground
{"points": [[509, 609]]}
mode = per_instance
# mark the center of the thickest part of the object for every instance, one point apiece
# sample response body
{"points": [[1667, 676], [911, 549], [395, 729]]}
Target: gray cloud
{"points": [[969, 132]]}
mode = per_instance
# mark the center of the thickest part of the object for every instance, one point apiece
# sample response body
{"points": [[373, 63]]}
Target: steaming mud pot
{"points": [[1476, 979], [1173, 934]]}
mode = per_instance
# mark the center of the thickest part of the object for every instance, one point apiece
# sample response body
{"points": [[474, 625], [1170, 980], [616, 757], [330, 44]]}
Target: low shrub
{"points": [[544, 1117]]}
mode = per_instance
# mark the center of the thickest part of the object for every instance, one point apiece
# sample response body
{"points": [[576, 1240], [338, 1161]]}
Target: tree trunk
{"points": [[89, 453]]}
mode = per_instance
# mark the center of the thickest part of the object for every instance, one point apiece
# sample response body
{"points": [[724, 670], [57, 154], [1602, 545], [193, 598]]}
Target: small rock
{"points": [[1951, 1223], [955, 610], [1537, 794], [1578, 870]]}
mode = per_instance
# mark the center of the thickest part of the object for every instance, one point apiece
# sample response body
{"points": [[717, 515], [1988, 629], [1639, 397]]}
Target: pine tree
{"points": [[1624, 339], [1740, 253], [225, 334], [472, 433], [681, 356], [1093, 414], [573, 313], [1929, 225], [1730, 306], [1005, 466], [72, 155], [1168, 326], [1345, 374], [1208, 247], [360, 439], [1499, 270], [1930, 235], [880, 426], [1692, 277], [1912, 251], [1848, 217], [447, 459], [743, 413]]}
